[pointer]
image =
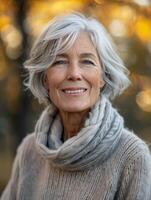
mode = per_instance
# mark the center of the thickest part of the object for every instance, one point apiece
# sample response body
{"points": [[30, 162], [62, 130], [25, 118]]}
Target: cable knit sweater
{"points": [[104, 161]]}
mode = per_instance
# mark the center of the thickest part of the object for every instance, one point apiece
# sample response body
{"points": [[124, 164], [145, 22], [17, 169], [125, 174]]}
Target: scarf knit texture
{"points": [[104, 161]]}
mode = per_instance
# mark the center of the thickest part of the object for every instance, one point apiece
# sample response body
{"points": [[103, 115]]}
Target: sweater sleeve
{"points": [[136, 178], [11, 190]]}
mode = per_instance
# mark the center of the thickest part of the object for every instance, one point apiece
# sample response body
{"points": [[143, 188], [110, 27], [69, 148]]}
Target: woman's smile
{"points": [[77, 91]]}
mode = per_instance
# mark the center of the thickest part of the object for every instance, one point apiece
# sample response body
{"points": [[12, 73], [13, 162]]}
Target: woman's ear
{"points": [[45, 82], [102, 83]]}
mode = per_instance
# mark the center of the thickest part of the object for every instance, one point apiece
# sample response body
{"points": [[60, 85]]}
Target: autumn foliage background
{"points": [[129, 23]]}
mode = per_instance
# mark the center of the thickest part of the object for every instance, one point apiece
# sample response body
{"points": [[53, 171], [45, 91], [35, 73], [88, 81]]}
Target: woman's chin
{"points": [[75, 108]]}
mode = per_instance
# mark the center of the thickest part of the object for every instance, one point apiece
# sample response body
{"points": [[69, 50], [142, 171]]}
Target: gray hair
{"points": [[58, 37]]}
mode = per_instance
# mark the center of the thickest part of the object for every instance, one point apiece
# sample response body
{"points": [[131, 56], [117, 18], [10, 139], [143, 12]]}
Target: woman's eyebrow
{"points": [[62, 55], [90, 55], [82, 55]]}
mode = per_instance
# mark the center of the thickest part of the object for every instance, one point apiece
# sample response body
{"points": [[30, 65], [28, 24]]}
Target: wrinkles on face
{"points": [[74, 79]]}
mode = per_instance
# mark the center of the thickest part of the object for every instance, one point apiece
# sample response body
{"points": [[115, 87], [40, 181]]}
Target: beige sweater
{"points": [[104, 161], [124, 176]]}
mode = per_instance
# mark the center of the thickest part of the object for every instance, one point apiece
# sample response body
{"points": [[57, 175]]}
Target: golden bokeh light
{"points": [[12, 36], [4, 21], [142, 2], [124, 13], [40, 12], [143, 99], [118, 28], [143, 29]]}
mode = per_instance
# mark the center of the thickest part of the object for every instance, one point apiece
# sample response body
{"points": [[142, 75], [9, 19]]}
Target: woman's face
{"points": [[74, 79]]}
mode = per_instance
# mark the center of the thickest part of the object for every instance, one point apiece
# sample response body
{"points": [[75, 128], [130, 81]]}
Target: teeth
{"points": [[74, 91]]}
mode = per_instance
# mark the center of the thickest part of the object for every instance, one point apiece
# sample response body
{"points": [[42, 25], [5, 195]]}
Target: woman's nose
{"points": [[74, 73]]}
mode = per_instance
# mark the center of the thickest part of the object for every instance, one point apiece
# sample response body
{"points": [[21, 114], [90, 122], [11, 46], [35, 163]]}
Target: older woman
{"points": [[80, 149]]}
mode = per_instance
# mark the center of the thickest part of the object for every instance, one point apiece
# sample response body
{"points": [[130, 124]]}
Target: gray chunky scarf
{"points": [[95, 142]]}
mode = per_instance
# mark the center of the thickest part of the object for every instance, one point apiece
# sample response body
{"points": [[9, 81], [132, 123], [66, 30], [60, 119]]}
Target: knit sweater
{"points": [[104, 161]]}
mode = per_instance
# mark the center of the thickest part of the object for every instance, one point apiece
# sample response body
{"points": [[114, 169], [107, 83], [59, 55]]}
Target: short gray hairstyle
{"points": [[58, 36]]}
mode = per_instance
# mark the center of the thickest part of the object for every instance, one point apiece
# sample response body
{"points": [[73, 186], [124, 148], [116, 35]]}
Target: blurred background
{"points": [[129, 23]]}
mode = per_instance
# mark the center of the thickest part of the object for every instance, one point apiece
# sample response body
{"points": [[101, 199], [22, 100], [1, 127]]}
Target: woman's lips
{"points": [[74, 91]]}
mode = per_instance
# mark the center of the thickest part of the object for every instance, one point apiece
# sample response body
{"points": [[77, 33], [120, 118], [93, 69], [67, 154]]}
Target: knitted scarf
{"points": [[92, 145]]}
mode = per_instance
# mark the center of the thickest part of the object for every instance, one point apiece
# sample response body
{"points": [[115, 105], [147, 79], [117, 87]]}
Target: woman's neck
{"points": [[72, 122]]}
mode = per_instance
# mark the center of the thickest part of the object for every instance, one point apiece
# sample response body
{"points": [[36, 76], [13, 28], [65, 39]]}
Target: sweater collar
{"points": [[91, 146]]}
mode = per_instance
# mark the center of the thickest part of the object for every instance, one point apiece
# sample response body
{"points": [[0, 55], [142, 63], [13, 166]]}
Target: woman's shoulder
{"points": [[133, 148], [27, 142], [26, 146], [130, 139]]}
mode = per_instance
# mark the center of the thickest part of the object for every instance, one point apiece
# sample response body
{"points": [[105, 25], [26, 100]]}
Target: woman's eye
{"points": [[88, 62], [59, 62]]}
